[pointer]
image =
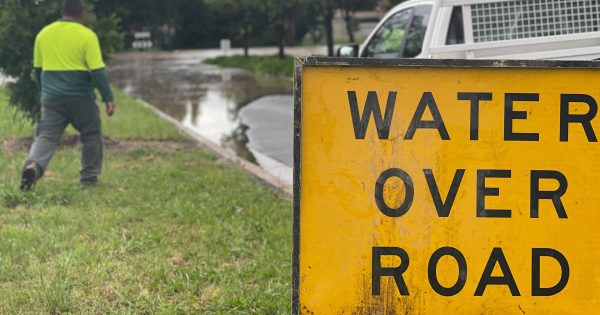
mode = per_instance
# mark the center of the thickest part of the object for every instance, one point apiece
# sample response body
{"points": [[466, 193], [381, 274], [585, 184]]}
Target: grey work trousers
{"points": [[84, 115]]}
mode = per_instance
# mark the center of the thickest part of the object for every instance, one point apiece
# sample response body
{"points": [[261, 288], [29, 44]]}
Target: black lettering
{"points": [[483, 191], [497, 257], [510, 114], [462, 271], [361, 123], [409, 192], [427, 100], [554, 195], [443, 207], [584, 119], [536, 254], [377, 271], [474, 98]]}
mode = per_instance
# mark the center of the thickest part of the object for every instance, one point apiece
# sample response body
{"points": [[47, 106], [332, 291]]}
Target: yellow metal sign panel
{"points": [[423, 187]]}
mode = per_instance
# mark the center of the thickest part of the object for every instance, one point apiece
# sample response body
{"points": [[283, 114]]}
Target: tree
{"points": [[281, 13], [327, 9], [388, 4], [195, 26], [251, 11], [240, 20], [164, 19], [20, 21], [189, 24], [349, 8]]}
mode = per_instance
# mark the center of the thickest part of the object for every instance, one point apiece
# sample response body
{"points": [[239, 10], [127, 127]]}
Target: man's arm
{"points": [[99, 74], [100, 81], [37, 75]]}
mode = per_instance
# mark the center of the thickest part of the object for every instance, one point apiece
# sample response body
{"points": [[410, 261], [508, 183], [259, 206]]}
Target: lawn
{"points": [[170, 229]]}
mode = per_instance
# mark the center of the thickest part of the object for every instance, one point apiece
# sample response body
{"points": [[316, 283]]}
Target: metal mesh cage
{"points": [[533, 18]]}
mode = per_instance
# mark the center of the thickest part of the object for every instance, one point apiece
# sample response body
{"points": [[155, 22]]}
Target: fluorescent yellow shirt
{"points": [[70, 59]]}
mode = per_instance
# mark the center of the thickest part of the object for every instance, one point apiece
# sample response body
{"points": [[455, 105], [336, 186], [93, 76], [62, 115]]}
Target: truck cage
{"points": [[528, 29]]}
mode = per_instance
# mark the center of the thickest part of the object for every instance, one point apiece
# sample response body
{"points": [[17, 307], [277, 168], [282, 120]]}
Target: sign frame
{"points": [[302, 62]]}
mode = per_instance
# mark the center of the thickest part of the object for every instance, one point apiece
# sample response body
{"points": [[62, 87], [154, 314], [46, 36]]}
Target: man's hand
{"points": [[110, 108]]}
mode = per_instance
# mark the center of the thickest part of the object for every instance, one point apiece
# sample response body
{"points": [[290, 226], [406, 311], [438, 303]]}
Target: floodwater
{"points": [[252, 116]]}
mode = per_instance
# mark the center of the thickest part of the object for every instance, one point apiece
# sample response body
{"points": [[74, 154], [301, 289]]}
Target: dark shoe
{"points": [[89, 182], [29, 176]]}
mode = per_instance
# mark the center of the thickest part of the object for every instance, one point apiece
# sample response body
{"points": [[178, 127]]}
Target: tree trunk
{"points": [[281, 34], [328, 21], [290, 34], [246, 41], [348, 19]]}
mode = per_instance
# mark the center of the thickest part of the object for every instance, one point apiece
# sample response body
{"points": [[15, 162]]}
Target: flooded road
{"points": [[252, 116]]}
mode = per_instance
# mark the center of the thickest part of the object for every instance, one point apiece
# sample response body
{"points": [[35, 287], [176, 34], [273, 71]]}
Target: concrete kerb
{"points": [[228, 155]]}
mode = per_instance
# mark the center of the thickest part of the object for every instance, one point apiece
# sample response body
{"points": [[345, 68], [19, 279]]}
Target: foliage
{"points": [[243, 20], [263, 65], [280, 13], [107, 29], [159, 17], [388, 4], [20, 21], [185, 24], [327, 9], [349, 8]]}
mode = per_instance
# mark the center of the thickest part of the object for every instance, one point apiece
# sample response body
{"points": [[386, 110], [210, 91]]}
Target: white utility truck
{"points": [[470, 29]]}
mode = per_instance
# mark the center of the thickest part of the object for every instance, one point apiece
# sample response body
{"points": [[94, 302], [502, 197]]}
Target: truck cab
{"points": [[470, 29]]}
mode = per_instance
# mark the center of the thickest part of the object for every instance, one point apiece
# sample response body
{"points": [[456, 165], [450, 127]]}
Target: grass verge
{"points": [[262, 65], [170, 229]]}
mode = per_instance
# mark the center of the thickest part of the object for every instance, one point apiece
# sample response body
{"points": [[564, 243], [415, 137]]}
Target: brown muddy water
{"points": [[252, 116]]}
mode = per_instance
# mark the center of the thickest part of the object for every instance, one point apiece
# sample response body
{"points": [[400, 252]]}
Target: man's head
{"points": [[73, 9]]}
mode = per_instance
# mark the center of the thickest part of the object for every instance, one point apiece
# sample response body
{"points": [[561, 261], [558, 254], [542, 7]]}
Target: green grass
{"points": [[262, 65], [12, 123], [135, 123], [170, 229], [131, 122]]}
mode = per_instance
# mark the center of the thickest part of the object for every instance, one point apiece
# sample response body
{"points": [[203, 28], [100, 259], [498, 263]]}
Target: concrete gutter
{"points": [[272, 180]]}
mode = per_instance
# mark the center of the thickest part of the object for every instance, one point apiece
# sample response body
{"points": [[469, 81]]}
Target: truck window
{"points": [[456, 31], [416, 32], [387, 41]]}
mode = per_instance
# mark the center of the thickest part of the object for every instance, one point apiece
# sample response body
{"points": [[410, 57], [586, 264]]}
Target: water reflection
{"points": [[238, 141], [203, 97]]}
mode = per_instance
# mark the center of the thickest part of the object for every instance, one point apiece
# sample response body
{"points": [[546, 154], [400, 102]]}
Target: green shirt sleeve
{"points": [[100, 80], [37, 75]]}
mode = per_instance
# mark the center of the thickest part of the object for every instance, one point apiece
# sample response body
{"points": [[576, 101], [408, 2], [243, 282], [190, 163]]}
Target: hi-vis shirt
{"points": [[68, 62]]}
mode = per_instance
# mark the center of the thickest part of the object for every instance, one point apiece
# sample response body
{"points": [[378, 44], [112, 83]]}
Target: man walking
{"points": [[68, 65]]}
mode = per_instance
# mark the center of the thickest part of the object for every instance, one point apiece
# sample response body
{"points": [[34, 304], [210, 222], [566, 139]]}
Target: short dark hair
{"points": [[73, 8]]}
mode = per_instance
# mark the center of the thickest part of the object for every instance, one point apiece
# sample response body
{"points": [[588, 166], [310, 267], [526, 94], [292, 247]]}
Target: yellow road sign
{"points": [[446, 187]]}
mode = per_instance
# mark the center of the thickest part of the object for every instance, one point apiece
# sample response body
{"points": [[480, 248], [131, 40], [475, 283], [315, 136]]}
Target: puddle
{"points": [[210, 100]]}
